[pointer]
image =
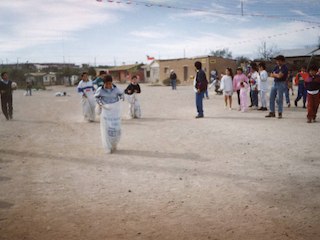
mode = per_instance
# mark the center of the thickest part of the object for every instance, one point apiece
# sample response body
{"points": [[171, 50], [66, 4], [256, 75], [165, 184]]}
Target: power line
{"points": [[218, 12]]}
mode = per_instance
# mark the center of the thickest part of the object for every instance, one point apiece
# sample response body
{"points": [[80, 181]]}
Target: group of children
{"points": [[105, 102], [254, 83], [255, 86]]}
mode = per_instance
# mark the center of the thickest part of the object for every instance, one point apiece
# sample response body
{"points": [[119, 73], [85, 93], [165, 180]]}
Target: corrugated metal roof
{"points": [[303, 52]]}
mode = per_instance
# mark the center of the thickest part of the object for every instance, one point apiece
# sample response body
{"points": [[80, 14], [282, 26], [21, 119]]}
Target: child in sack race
{"points": [[86, 90], [108, 97], [132, 91]]}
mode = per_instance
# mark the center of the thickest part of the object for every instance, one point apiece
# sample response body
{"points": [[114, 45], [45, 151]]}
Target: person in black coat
{"points": [[173, 79], [200, 87], [132, 90], [6, 95]]}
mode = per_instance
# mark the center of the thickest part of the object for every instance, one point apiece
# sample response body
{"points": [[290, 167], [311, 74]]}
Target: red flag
{"points": [[150, 58]]}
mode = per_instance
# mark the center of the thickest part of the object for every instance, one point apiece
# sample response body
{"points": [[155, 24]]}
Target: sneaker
{"points": [[265, 109], [280, 115], [304, 106], [296, 103], [199, 116], [260, 109], [270, 115], [250, 105], [230, 109], [289, 105], [309, 121], [314, 120]]}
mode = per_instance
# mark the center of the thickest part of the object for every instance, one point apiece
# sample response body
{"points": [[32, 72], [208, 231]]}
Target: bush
{"points": [[167, 82]]}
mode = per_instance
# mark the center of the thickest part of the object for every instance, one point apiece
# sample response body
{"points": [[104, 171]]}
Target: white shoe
{"points": [[230, 109]]}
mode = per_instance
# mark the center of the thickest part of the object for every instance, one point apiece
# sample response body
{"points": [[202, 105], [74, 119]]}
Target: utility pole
{"points": [[241, 7]]}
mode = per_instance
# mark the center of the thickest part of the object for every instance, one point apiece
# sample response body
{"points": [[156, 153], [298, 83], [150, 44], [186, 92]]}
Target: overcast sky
{"points": [[108, 32]]}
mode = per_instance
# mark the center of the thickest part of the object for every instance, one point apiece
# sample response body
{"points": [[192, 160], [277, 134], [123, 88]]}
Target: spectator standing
{"points": [[237, 79], [263, 86], [6, 95], [280, 74], [254, 81], [302, 92], [227, 87], [312, 84], [200, 86], [173, 79]]}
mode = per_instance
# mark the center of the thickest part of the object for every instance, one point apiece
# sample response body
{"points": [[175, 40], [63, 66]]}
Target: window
{"points": [[166, 70], [148, 74]]}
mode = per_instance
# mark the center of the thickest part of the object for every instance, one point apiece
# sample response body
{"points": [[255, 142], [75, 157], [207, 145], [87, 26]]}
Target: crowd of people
{"points": [[254, 85], [102, 96]]}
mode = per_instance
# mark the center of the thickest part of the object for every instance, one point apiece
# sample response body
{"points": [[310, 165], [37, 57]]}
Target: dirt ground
{"points": [[230, 175]]}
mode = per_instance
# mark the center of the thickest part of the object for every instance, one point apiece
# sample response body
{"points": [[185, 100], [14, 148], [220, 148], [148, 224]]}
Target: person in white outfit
{"points": [[227, 87], [86, 89], [263, 86]]}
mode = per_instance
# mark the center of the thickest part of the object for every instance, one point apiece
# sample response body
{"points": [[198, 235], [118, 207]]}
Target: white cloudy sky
{"points": [[108, 32]]}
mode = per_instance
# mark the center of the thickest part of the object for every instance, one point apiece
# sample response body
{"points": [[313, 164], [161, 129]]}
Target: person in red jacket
{"points": [[312, 85], [299, 81]]}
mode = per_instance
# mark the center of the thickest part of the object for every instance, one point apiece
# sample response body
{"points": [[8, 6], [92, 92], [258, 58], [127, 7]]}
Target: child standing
{"points": [[237, 80], [108, 97], [132, 91], [227, 87], [312, 85], [254, 85], [86, 89], [243, 94], [263, 86]]}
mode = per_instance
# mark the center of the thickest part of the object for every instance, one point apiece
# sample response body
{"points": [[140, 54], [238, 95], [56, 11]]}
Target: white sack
{"points": [[88, 107], [134, 106], [110, 125]]}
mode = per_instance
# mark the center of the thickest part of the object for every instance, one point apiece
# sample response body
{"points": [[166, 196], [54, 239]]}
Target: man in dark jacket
{"points": [[6, 95], [200, 86], [173, 79], [312, 85]]}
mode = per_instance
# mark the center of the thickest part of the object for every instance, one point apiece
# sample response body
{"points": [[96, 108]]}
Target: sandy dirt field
{"points": [[230, 175]]}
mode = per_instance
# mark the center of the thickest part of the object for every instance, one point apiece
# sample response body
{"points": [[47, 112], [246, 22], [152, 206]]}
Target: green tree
{"points": [[224, 53], [242, 59]]}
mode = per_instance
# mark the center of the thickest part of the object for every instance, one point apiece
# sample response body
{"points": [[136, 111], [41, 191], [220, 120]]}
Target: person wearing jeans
{"points": [[200, 86], [173, 79], [302, 92], [277, 89], [279, 74]]}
